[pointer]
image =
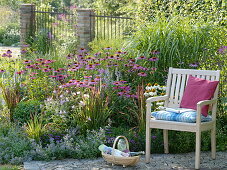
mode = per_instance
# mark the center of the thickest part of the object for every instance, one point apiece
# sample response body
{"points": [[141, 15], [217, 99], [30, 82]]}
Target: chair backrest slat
{"points": [[177, 80]]}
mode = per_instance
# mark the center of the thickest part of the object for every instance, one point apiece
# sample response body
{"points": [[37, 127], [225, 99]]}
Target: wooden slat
{"points": [[203, 77], [172, 88], [177, 89], [195, 72], [183, 82], [212, 78]]}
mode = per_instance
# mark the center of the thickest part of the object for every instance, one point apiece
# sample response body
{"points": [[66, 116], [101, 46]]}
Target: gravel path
{"points": [[159, 161]]}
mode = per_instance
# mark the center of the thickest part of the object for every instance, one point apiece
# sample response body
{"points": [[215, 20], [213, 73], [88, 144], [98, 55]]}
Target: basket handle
{"points": [[116, 140]]}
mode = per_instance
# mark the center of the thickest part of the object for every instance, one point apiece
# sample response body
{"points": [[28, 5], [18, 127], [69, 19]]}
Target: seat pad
{"points": [[189, 116]]}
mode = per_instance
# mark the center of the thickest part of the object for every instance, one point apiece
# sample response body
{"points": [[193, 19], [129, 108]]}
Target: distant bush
{"points": [[25, 110]]}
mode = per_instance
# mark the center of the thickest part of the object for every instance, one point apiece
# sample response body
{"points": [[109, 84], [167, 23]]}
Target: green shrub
{"points": [[26, 110]]}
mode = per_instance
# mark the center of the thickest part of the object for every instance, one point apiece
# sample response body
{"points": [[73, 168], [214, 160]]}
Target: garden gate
{"points": [[54, 25]]}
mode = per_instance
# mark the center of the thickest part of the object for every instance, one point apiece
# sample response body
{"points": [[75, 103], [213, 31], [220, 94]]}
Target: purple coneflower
{"points": [[222, 50], [141, 57], [8, 52], [155, 52], [193, 65], [153, 59], [90, 67], [142, 74]]}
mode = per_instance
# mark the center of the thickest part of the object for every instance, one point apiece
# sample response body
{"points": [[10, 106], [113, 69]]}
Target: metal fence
{"points": [[111, 26], [54, 25]]}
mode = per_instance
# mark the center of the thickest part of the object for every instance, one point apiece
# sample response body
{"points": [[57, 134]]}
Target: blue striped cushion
{"points": [[189, 117]]}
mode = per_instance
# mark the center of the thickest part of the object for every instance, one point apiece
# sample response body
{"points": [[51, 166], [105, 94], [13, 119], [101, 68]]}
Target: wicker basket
{"points": [[125, 161]]}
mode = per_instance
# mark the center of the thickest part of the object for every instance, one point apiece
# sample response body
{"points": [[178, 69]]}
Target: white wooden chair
{"points": [[176, 82]]}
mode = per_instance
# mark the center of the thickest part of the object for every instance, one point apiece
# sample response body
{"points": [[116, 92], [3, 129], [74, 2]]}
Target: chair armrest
{"points": [[206, 102], [157, 98]]}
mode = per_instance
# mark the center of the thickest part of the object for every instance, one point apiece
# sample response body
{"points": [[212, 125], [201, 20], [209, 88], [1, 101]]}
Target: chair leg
{"points": [[197, 150], [166, 141], [213, 143], [148, 144]]}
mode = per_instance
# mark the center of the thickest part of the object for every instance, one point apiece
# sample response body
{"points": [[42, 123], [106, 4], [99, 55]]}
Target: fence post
{"points": [[27, 18], [85, 27]]}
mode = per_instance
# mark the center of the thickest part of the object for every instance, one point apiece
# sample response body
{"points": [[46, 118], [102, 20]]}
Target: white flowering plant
{"points": [[155, 90]]}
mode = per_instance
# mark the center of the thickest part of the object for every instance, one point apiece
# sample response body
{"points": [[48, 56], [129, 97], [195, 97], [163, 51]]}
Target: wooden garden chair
{"points": [[176, 82]]}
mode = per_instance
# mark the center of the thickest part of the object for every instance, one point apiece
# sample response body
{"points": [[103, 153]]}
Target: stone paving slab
{"points": [[158, 162]]}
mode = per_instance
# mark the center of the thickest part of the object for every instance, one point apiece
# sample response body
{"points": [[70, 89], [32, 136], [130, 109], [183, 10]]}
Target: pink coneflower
{"points": [[4, 55], [111, 57], [57, 71], [107, 48], [132, 60], [46, 70], [29, 66], [117, 83], [25, 45], [141, 57], [137, 67], [97, 54], [55, 24], [27, 61], [82, 50], [153, 68], [155, 52], [97, 78], [153, 59], [90, 58], [119, 52], [20, 72], [8, 52], [49, 61], [87, 77], [40, 59], [1, 71], [90, 67], [142, 74], [222, 50], [23, 51], [194, 65], [73, 69], [92, 82]]}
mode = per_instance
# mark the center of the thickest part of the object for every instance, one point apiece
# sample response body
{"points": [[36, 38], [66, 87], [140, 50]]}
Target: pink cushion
{"points": [[198, 89]]}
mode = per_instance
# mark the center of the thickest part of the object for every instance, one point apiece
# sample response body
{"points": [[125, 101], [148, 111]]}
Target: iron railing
{"points": [[109, 26], [54, 25]]}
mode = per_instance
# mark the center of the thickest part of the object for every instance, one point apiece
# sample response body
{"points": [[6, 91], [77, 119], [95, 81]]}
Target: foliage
{"points": [[14, 145], [25, 110], [179, 40], [208, 10], [35, 128], [70, 147]]}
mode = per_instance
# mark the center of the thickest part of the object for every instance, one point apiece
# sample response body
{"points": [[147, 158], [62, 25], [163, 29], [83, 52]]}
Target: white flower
{"points": [[156, 87], [148, 88], [161, 108], [73, 106], [152, 93], [78, 92], [160, 103], [86, 95], [81, 103], [164, 88], [146, 94]]}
